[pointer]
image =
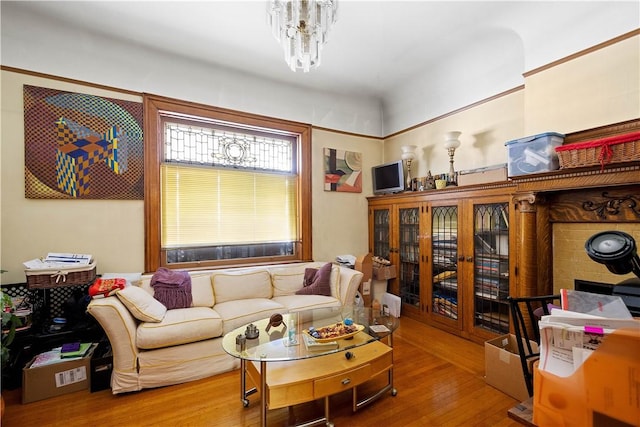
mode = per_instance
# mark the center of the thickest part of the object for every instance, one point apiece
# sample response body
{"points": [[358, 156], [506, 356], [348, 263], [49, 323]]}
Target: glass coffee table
{"points": [[289, 367]]}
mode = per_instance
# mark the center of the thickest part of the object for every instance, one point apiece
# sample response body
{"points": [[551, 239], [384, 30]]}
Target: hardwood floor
{"points": [[439, 378]]}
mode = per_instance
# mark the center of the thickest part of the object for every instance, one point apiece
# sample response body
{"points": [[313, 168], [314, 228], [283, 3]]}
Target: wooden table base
{"points": [[288, 383]]}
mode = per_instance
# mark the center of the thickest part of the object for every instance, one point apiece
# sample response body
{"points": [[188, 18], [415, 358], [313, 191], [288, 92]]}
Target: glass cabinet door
{"points": [[381, 243], [491, 267], [409, 255], [444, 260]]}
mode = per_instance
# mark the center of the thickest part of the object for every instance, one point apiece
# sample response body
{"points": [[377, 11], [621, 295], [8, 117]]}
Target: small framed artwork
{"points": [[342, 171]]}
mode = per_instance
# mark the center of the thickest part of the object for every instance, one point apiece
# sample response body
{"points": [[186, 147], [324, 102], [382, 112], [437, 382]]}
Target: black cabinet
{"points": [[41, 333]]}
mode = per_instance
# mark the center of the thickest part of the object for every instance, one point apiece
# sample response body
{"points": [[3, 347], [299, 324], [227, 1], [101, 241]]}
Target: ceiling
{"points": [[374, 46], [386, 51]]}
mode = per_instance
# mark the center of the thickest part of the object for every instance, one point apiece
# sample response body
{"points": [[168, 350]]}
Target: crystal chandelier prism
{"points": [[302, 27]]}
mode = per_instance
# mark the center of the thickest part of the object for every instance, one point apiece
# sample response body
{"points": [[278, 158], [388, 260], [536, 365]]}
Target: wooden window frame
{"points": [[155, 107]]}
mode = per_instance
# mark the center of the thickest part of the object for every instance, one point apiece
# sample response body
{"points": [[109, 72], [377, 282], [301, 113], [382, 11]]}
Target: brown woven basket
{"points": [[600, 152], [60, 278]]}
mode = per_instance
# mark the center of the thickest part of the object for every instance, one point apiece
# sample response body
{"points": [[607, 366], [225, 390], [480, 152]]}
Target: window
{"points": [[223, 187]]}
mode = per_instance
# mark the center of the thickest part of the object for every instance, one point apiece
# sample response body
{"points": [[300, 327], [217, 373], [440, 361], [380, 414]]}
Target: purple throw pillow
{"points": [[309, 275], [321, 284]]}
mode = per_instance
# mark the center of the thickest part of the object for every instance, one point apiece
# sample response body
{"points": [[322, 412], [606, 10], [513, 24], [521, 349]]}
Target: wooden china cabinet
{"points": [[460, 251], [451, 250]]}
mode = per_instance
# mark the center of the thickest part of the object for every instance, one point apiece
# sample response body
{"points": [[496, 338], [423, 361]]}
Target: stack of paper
{"points": [[55, 356], [597, 304], [568, 338], [55, 260]]}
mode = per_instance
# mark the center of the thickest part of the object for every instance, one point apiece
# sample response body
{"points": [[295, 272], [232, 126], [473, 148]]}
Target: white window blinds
{"points": [[204, 206]]}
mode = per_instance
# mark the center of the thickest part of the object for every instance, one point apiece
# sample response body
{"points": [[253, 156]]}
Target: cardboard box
{"points": [[56, 379], [495, 173], [364, 264], [384, 272], [502, 366], [393, 303], [603, 391], [378, 289]]}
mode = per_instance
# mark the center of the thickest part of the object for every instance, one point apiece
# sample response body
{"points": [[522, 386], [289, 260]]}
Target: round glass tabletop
{"points": [[287, 336]]}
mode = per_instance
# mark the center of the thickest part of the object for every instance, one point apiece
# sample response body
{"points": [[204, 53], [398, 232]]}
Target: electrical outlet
{"points": [[366, 287]]}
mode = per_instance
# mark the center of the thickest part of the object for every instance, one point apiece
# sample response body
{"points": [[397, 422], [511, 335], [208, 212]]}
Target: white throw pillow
{"points": [[230, 286], [141, 304]]}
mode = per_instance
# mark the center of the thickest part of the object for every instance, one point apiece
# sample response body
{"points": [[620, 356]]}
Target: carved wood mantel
{"points": [[594, 194], [526, 202], [617, 204]]}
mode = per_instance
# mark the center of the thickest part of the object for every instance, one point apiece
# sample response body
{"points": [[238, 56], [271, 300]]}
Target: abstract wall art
{"points": [[342, 171], [80, 146]]}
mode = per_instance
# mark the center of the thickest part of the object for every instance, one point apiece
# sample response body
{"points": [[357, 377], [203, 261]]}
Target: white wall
{"points": [[589, 91], [340, 220], [485, 128], [498, 56], [490, 59], [485, 67], [113, 230], [35, 43], [598, 88]]}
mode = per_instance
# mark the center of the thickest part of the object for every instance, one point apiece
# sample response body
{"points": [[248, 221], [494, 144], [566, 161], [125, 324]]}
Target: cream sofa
{"points": [[153, 346]]}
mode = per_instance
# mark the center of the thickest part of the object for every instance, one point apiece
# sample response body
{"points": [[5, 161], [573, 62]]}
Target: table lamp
{"points": [[451, 142], [408, 155]]}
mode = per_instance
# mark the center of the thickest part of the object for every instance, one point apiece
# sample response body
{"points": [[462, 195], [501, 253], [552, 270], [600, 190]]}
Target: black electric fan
{"points": [[618, 252]]}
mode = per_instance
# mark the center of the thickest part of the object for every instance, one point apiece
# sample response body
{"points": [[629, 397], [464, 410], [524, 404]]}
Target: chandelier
{"points": [[302, 26]]}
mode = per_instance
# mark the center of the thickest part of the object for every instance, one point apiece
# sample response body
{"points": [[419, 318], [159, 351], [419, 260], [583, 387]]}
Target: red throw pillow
{"points": [[102, 288], [321, 284]]}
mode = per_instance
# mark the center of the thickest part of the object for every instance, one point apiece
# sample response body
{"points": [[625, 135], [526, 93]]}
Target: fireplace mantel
{"points": [[598, 194]]}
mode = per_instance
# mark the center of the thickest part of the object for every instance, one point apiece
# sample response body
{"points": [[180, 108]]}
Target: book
{"points": [[80, 259], [56, 356], [70, 347], [379, 329], [82, 350], [313, 345]]}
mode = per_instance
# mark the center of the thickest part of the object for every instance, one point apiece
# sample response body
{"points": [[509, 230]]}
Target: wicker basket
{"points": [[44, 279], [615, 149]]}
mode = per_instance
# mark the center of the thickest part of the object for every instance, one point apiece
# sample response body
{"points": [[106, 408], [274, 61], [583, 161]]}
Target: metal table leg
{"points": [[244, 393], [263, 393]]}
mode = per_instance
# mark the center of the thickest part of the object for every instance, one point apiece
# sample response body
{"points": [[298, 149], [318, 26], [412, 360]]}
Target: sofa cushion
{"points": [[201, 290], [320, 284], [306, 302], [141, 304], [179, 326], [241, 285], [240, 312], [288, 280]]}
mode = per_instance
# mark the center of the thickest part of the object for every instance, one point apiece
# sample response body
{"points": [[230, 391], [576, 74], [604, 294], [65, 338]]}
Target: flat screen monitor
{"points": [[388, 178]]}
